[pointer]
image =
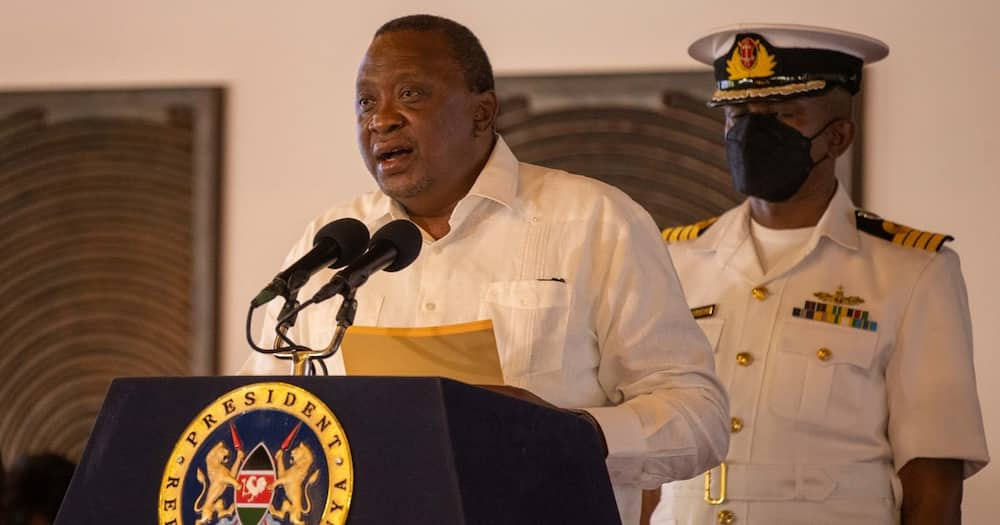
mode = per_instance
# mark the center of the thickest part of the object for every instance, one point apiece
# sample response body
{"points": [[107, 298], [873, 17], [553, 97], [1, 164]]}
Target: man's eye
{"points": [[407, 93], [365, 103]]}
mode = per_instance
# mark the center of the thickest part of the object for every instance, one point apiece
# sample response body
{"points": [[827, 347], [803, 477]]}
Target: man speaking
{"points": [[585, 302]]}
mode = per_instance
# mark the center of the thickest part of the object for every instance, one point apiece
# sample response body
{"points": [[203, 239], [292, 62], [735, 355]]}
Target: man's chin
{"points": [[403, 186]]}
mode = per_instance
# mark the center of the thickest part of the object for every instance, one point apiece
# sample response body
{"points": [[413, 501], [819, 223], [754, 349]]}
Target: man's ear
{"points": [[485, 114], [841, 135]]}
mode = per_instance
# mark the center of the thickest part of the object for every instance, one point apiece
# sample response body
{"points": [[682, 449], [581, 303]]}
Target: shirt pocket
{"points": [[822, 371], [530, 319], [713, 331]]}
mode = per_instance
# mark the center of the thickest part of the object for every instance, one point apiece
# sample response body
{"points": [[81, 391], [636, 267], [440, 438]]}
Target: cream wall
{"points": [[289, 69]]}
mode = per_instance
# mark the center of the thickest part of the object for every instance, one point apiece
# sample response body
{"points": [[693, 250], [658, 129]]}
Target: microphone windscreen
{"points": [[350, 235], [405, 237]]}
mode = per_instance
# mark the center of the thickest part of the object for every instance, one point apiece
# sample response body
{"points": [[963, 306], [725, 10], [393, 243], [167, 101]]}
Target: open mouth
{"points": [[393, 153]]}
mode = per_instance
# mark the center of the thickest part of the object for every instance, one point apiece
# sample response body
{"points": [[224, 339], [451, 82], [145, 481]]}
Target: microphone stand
{"points": [[302, 356]]}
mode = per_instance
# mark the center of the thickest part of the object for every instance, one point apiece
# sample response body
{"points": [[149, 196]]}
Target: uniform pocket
{"points": [[530, 319], [821, 371]]}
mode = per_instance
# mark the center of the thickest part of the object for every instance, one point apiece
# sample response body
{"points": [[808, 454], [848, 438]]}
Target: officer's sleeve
{"points": [[671, 413], [933, 405]]}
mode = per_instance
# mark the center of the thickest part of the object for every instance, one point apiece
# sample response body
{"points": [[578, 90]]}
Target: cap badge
{"points": [[750, 59]]}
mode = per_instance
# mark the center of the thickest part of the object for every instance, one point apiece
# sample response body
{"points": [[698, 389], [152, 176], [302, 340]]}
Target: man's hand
{"points": [[524, 395], [932, 492], [650, 498]]}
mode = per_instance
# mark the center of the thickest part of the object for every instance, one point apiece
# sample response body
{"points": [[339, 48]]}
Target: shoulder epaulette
{"points": [[899, 234], [687, 232]]}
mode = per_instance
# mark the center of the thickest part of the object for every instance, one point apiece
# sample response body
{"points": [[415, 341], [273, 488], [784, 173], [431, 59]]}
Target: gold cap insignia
{"points": [[750, 59]]}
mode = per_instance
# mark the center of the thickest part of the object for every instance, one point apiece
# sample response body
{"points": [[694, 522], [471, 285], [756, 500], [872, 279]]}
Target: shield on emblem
{"points": [[748, 52], [255, 493]]}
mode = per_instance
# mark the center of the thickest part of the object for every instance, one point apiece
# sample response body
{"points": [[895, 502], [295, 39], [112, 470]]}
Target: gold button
{"points": [[736, 424], [759, 292], [726, 517], [744, 358], [824, 354]]}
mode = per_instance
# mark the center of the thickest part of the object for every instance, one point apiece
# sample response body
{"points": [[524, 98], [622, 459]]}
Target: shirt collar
{"points": [[498, 180]]}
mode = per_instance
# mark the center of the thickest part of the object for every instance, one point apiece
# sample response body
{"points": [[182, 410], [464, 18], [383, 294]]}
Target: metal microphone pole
{"points": [[302, 356]]}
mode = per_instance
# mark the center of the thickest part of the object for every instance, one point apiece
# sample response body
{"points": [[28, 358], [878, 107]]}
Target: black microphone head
{"points": [[350, 234], [405, 237]]}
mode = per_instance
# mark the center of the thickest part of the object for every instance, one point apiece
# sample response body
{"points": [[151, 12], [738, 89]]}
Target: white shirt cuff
{"points": [[622, 430]]}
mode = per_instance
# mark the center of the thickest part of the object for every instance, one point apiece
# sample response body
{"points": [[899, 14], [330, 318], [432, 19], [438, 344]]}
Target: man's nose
{"points": [[386, 119]]}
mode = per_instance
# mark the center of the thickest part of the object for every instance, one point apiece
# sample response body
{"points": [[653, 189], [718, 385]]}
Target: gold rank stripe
{"points": [[687, 232], [900, 234], [919, 239]]}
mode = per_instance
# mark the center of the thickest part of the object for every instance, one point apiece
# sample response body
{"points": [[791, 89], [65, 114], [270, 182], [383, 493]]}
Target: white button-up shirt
{"points": [[585, 303], [828, 405]]}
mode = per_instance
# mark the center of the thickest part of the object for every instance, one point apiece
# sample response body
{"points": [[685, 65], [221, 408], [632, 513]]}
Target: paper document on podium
{"points": [[465, 352]]}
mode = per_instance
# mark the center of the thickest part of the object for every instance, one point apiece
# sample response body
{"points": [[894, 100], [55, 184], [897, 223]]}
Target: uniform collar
{"points": [[733, 228], [837, 222], [731, 234], [496, 182]]}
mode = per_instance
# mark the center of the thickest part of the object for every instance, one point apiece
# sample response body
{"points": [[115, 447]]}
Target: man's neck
{"points": [[437, 225], [432, 209], [803, 210]]}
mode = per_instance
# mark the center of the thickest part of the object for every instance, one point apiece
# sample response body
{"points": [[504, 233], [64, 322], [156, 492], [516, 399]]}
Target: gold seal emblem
{"points": [[265, 453]]}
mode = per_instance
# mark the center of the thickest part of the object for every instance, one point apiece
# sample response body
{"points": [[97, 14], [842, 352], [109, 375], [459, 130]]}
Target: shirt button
{"points": [[735, 425], [430, 307], [824, 354], [528, 300], [744, 358], [726, 517], [760, 292]]}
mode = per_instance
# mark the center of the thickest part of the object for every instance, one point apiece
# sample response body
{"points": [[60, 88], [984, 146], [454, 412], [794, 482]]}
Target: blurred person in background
{"points": [[34, 489]]}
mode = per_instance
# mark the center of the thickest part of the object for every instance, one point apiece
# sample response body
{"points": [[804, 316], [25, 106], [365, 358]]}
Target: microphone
{"points": [[334, 245], [393, 247]]}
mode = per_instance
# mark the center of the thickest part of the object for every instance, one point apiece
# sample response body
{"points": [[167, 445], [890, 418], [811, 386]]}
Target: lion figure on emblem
{"points": [[215, 479], [296, 480]]}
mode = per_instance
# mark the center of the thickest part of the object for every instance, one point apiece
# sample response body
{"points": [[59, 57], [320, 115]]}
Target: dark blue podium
{"points": [[423, 450]]}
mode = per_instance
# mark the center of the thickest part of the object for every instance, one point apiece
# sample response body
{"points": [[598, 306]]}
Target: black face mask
{"points": [[768, 158]]}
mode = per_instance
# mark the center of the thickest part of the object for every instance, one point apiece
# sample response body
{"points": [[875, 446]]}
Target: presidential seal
{"points": [[265, 453]]}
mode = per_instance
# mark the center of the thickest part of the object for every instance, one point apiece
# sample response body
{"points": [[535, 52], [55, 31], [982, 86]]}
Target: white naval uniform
{"points": [[824, 414]]}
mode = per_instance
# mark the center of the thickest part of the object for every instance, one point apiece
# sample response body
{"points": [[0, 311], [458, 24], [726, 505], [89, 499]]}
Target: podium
{"points": [[417, 451]]}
